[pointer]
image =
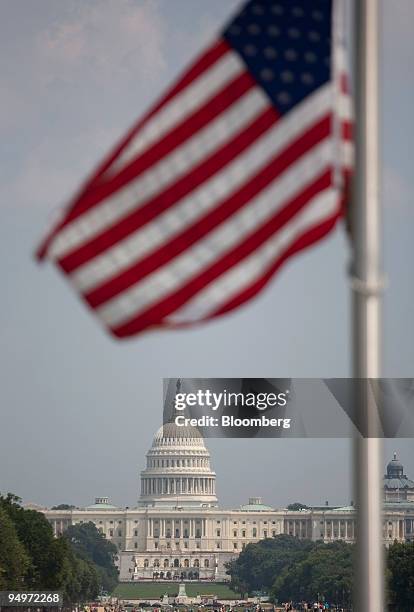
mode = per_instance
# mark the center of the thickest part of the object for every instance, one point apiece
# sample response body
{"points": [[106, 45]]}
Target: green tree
{"points": [[77, 578], [326, 569], [90, 544], [297, 506], [36, 535], [63, 507], [258, 564], [14, 560], [290, 568], [32, 558], [400, 565]]}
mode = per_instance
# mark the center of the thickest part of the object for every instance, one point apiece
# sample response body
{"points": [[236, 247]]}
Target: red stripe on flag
{"points": [[200, 65], [152, 315], [305, 240], [155, 206], [209, 222], [206, 60], [344, 83], [172, 140], [347, 130]]}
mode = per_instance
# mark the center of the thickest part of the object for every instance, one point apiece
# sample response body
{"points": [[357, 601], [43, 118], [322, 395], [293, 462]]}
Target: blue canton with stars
{"points": [[286, 45]]}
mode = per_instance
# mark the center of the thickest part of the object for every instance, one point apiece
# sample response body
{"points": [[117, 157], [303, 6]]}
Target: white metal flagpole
{"points": [[367, 288]]}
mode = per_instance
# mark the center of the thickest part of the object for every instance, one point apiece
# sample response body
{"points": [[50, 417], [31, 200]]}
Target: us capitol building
{"points": [[178, 531]]}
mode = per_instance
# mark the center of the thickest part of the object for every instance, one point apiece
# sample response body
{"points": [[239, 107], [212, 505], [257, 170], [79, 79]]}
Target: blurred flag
{"points": [[239, 166]]}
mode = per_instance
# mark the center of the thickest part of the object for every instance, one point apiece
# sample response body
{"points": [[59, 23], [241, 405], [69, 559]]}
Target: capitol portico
{"points": [[178, 531]]}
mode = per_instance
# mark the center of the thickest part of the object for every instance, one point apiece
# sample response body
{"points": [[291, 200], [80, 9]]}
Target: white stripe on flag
{"points": [[226, 236], [348, 155], [344, 107], [182, 105], [160, 175], [199, 202], [238, 278]]}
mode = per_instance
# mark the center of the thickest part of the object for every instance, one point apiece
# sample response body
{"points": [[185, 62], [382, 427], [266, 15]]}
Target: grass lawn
{"points": [[155, 590]]}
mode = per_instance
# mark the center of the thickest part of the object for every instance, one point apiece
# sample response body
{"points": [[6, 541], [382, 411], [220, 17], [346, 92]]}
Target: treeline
{"points": [[400, 576], [291, 569], [80, 563]]}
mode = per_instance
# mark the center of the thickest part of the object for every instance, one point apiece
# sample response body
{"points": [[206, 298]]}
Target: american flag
{"points": [[240, 165]]}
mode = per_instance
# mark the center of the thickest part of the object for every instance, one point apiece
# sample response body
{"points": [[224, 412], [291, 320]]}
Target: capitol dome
{"points": [[170, 433], [178, 471]]}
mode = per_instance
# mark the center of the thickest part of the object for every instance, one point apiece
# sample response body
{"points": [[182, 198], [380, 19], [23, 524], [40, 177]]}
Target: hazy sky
{"points": [[78, 410]]}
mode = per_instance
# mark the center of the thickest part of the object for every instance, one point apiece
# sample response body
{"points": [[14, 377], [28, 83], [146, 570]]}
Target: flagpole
{"points": [[366, 286]]}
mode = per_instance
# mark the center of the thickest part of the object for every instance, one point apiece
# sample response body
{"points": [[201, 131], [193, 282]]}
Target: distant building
{"points": [[178, 531], [397, 487]]}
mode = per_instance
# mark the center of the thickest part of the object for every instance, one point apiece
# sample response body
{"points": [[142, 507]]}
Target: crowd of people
{"points": [[316, 605], [221, 607]]}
